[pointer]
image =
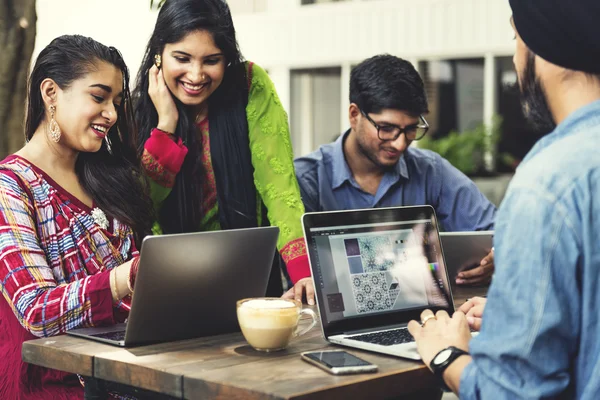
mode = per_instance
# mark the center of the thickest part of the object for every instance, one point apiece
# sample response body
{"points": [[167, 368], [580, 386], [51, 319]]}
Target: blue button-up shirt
{"points": [[420, 177], [541, 326]]}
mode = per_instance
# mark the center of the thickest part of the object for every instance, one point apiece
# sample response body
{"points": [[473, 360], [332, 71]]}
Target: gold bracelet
{"points": [[117, 284], [129, 278], [133, 268], [113, 284]]}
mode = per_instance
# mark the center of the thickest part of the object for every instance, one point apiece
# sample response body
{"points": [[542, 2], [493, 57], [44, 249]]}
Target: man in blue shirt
{"points": [[540, 326], [373, 165]]}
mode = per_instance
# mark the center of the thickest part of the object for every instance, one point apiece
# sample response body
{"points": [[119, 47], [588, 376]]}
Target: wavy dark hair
{"points": [[230, 149], [112, 176]]}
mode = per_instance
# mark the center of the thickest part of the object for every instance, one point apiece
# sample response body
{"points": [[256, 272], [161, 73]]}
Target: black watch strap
{"points": [[438, 368]]}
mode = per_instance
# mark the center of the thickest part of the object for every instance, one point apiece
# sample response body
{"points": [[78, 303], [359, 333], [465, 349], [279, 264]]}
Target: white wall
{"points": [[333, 33], [124, 24], [292, 36], [247, 6]]}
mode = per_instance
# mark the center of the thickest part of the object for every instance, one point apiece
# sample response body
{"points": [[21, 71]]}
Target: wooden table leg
{"points": [[94, 389]]}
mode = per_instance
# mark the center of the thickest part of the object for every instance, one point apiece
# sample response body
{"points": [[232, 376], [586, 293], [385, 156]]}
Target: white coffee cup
{"points": [[269, 323]]}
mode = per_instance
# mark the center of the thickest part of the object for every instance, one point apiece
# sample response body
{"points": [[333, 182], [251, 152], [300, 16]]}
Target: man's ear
{"points": [[49, 90], [353, 115]]}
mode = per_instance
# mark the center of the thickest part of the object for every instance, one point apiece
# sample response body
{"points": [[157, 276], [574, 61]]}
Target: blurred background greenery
{"points": [[466, 150]]}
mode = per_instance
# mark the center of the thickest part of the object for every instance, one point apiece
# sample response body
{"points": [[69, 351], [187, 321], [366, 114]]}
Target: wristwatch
{"points": [[441, 361]]}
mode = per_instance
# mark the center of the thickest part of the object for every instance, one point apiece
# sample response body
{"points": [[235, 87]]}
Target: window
{"points": [[455, 94], [315, 114]]}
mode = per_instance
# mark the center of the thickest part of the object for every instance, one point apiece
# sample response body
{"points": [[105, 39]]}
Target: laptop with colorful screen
{"points": [[375, 270]]}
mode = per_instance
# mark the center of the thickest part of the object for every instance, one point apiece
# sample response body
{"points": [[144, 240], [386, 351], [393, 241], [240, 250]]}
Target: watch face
{"points": [[442, 356]]}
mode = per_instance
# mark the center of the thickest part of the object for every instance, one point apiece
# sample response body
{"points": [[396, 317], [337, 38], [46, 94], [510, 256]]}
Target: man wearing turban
{"points": [[540, 327]]}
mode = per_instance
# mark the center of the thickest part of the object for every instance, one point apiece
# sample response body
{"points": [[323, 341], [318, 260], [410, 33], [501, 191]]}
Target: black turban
{"points": [[563, 32]]}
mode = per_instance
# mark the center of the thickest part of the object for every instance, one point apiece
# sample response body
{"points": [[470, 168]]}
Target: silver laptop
{"points": [[465, 250], [375, 270], [188, 284]]}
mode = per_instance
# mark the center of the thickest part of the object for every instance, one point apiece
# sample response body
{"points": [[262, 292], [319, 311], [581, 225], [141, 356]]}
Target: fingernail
{"points": [[459, 281], [311, 302], [470, 320], [484, 262]]}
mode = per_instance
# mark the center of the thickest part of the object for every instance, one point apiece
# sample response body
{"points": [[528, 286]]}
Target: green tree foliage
{"points": [[466, 150]]}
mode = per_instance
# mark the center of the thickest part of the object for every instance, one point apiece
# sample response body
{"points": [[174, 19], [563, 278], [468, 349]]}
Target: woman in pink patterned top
{"points": [[72, 207]]}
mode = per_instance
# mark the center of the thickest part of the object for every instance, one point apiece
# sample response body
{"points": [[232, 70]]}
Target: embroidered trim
{"points": [[156, 171], [294, 249]]}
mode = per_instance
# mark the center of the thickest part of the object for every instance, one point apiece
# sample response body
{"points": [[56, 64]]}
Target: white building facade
{"points": [[462, 49], [309, 50]]}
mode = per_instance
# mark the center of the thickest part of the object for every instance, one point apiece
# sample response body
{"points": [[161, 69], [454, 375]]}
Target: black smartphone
{"points": [[338, 362]]}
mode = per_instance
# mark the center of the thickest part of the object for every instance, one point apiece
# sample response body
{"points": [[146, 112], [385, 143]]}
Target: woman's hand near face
{"points": [[163, 101]]}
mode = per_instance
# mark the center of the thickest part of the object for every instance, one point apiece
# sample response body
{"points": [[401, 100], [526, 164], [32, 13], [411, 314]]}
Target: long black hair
{"points": [[230, 149], [112, 176]]}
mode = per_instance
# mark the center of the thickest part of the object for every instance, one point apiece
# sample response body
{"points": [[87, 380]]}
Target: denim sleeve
{"points": [[310, 204], [309, 185], [459, 204], [530, 323]]}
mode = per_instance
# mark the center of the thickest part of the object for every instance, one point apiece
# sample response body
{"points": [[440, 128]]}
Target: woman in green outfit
{"points": [[214, 137]]}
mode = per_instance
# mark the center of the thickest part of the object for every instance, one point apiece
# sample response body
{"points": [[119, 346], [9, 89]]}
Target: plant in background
{"points": [[466, 150]]}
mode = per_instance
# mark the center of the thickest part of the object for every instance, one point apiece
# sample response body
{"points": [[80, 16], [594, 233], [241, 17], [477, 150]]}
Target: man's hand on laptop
{"points": [[438, 332], [473, 309], [303, 287], [481, 274]]}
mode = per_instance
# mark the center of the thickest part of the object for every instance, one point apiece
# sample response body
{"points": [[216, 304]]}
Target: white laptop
{"points": [[375, 270]]}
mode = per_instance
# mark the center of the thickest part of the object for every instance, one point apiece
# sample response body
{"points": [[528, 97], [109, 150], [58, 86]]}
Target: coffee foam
{"points": [[268, 314], [271, 304]]}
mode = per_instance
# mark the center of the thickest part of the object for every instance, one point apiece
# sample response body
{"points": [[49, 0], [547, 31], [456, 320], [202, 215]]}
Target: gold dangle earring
{"points": [[53, 128], [157, 60]]}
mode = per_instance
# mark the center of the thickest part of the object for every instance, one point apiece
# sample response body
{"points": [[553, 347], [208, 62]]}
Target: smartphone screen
{"points": [[336, 359]]}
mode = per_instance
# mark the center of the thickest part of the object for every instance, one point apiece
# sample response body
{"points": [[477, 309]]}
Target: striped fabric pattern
{"points": [[52, 253], [55, 263]]}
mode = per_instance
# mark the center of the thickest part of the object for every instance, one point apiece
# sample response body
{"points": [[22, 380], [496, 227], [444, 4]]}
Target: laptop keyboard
{"points": [[116, 336], [385, 338]]}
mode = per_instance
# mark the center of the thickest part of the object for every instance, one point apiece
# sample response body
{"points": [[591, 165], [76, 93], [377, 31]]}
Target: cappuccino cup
{"points": [[269, 323]]}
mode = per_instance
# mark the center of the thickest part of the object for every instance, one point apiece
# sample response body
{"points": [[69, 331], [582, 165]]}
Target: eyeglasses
{"points": [[393, 132]]}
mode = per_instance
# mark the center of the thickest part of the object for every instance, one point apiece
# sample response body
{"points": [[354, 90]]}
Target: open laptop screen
{"points": [[376, 267]]}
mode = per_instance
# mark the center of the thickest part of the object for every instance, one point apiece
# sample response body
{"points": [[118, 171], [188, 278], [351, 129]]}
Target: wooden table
{"points": [[225, 367]]}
